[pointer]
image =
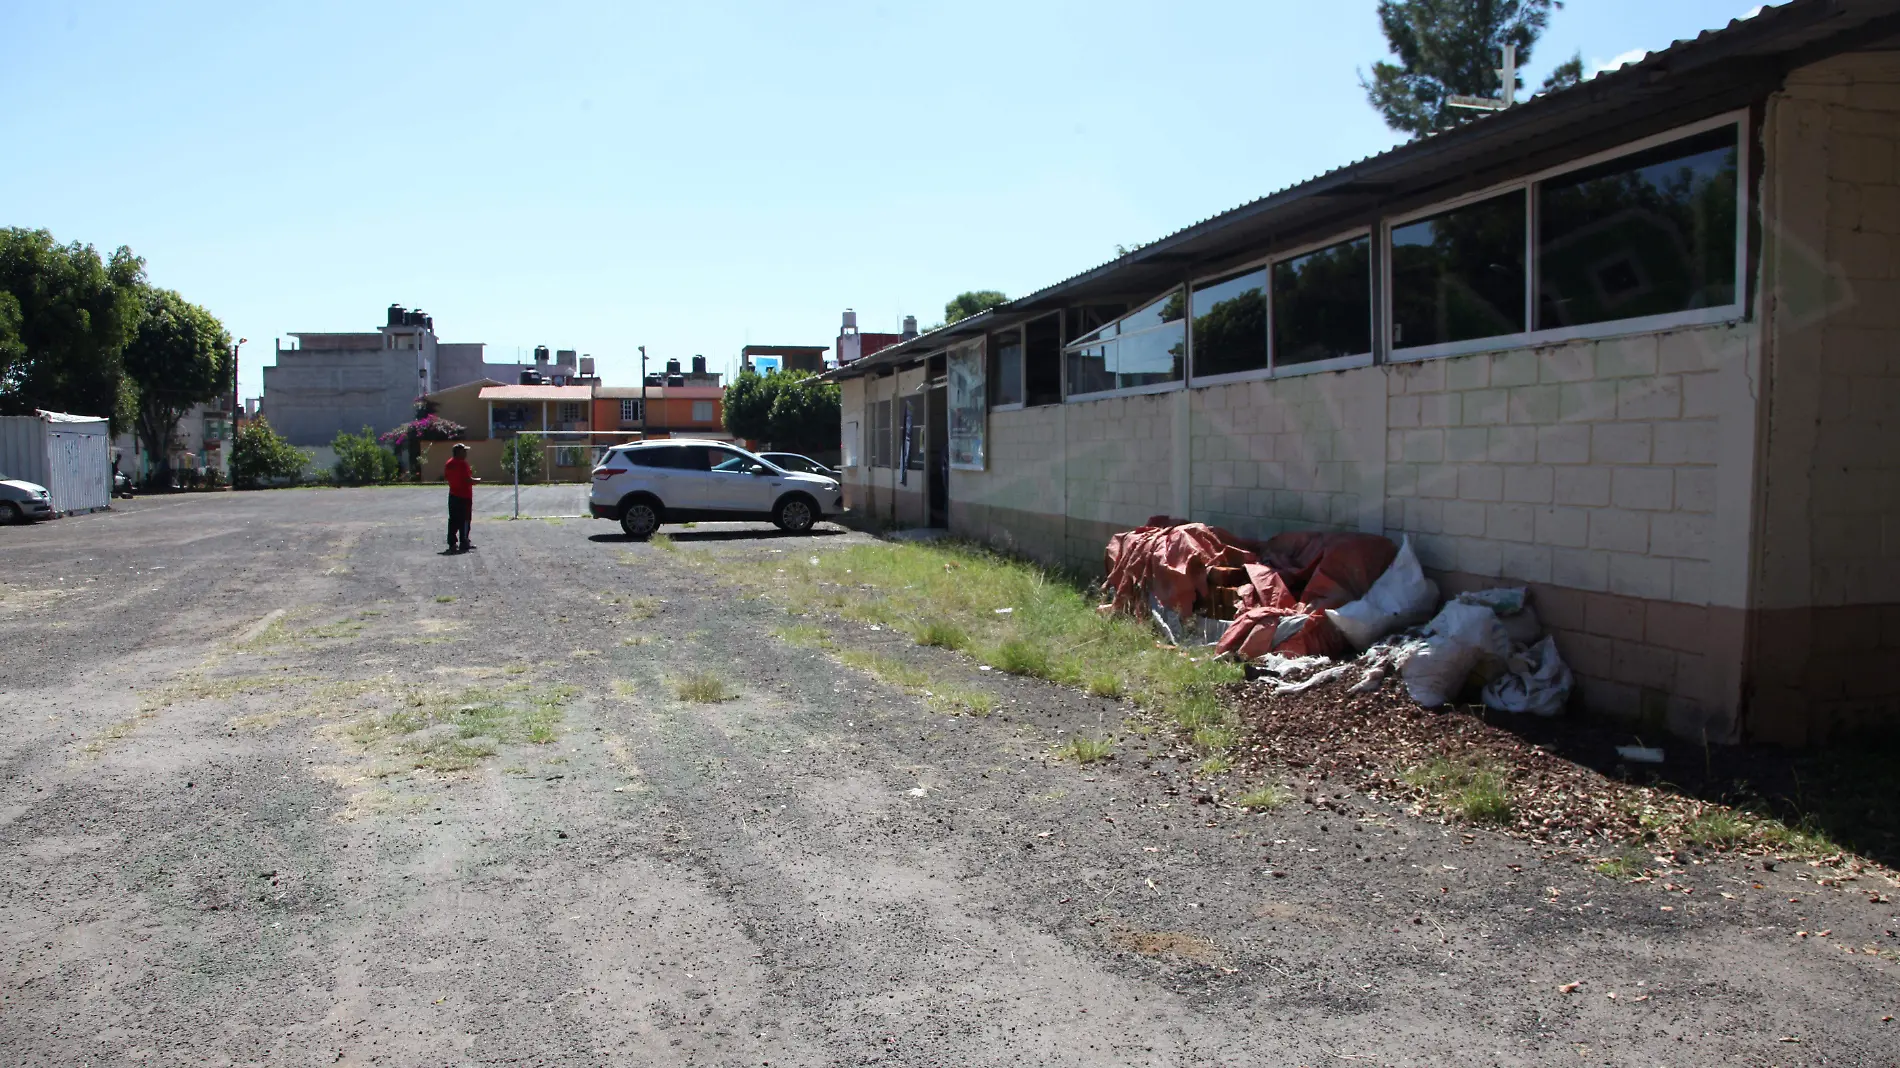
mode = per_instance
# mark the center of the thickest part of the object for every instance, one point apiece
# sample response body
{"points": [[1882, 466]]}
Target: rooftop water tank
{"points": [[395, 315], [699, 365], [910, 326], [850, 321], [587, 366], [672, 367], [540, 354]]}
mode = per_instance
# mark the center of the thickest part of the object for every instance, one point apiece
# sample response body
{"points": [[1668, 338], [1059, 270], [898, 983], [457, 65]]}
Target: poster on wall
{"points": [[968, 407]]}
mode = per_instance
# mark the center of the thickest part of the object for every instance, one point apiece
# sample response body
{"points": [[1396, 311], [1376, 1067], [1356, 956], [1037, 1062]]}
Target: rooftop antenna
{"points": [[1508, 73]]}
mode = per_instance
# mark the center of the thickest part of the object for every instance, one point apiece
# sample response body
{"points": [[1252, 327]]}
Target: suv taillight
{"points": [[609, 472]]}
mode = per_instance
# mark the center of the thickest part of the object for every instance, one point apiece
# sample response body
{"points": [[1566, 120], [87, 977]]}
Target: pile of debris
{"points": [[1312, 607]]}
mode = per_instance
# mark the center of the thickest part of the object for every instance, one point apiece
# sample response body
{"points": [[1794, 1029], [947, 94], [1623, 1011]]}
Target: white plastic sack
{"points": [[1473, 625], [1399, 598], [1504, 600], [1538, 681], [1436, 669]]}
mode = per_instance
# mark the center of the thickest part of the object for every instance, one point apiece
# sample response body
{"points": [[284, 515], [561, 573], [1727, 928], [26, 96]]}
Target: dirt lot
{"points": [[285, 786]]}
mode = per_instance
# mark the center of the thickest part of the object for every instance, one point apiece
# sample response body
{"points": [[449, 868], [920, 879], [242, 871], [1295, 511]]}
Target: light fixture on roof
{"points": [[1508, 73]]}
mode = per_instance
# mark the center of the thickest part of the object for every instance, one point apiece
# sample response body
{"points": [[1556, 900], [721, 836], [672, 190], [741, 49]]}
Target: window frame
{"points": [[1531, 336], [710, 416], [1187, 355], [630, 404], [1021, 330], [1267, 263]]}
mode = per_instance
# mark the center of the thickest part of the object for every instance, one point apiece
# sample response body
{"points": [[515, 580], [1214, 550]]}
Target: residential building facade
{"points": [[1634, 344]]}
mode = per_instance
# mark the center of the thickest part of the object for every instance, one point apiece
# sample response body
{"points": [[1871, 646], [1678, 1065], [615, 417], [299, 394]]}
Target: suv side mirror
{"points": [[761, 469]]}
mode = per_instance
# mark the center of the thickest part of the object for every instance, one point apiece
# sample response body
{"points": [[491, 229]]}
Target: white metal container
{"points": [[71, 455]]}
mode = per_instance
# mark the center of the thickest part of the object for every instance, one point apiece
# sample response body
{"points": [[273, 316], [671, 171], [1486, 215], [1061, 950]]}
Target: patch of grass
{"points": [[1215, 738], [1051, 631], [1474, 791], [1264, 799], [957, 700], [703, 687], [444, 598], [1626, 864], [1213, 766], [1087, 749], [887, 668], [662, 541], [940, 633], [454, 731], [1106, 684], [805, 635], [1718, 828]]}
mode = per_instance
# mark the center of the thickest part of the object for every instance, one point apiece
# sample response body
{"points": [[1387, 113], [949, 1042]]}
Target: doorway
{"points": [[937, 427]]}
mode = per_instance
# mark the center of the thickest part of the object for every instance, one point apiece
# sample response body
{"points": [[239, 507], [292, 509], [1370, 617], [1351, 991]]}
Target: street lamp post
{"points": [[643, 393], [230, 450]]}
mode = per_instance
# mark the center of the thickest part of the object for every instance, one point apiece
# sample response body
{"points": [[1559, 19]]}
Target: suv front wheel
{"points": [[639, 519], [795, 515]]}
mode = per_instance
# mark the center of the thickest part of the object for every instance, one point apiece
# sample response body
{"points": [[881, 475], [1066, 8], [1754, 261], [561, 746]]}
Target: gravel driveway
{"points": [[216, 846]]}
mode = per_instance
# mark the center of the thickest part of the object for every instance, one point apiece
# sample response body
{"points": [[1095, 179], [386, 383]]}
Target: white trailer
{"points": [[71, 455]]}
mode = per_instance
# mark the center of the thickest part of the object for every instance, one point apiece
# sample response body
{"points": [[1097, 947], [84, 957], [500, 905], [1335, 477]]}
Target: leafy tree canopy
{"points": [[1451, 48], [360, 461], [791, 410], [964, 305], [64, 325], [179, 355], [261, 454]]}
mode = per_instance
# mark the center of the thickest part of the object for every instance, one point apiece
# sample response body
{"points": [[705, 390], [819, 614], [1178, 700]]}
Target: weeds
{"points": [[1626, 864], [956, 700], [704, 688], [662, 541], [444, 598], [887, 668], [448, 732], [1087, 749], [1219, 764], [1476, 792], [1020, 656], [1264, 799], [805, 635], [1106, 684], [1716, 828], [940, 633]]}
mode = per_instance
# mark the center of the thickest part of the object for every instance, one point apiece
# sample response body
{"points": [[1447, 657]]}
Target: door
{"points": [[937, 461], [731, 486]]}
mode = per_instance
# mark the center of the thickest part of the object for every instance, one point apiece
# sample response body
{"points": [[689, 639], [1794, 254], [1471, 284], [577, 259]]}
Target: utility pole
{"points": [[230, 445], [643, 393]]}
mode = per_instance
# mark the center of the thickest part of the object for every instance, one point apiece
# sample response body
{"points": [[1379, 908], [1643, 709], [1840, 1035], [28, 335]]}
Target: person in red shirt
{"points": [[461, 479]]}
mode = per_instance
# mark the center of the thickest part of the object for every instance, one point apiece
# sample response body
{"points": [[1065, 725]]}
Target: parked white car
{"points": [[21, 501], [681, 480]]}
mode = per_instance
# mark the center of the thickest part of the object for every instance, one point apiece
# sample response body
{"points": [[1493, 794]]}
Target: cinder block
{"points": [[1645, 666], [1588, 654], [1509, 522], [1525, 563], [1585, 486], [1639, 576], [1701, 395], [1529, 485], [1426, 376], [1620, 443], [1437, 551], [1464, 518], [1535, 404], [1564, 527], [1585, 402], [1394, 515], [1681, 351], [1580, 569], [1689, 581], [1683, 627], [1567, 363], [1659, 397], [1647, 488], [1512, 444], [1565, 443], [1486, 407], [1480, 482], [1402, 411], [1862, 256], [1618, 530], [1685, 442], [1482, 558], [1681, 535], [1467, 443], [1437, 480], [1438, 409], [1514, 368], [1626, 357], [1559, 608], [1425, 516], [1695, 489], [1467, 372], [1614, 616]]}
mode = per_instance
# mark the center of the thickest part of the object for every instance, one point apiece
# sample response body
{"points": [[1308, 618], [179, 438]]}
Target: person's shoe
{"points": [[466, 548]]}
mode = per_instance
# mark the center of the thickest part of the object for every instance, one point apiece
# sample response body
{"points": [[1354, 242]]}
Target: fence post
{"points": [[517, 452]]}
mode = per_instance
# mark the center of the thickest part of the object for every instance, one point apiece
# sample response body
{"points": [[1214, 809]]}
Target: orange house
{"points": [[671, 411]]}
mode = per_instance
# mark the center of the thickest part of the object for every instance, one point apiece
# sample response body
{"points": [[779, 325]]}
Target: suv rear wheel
{"points": [[795, 514], [639, 519]]}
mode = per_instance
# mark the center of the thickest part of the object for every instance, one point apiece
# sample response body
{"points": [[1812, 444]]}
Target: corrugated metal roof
{"points": [[1718, 70]]}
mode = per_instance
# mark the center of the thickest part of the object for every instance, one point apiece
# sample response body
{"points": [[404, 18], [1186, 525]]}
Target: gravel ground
{"points": [[214, 849]]}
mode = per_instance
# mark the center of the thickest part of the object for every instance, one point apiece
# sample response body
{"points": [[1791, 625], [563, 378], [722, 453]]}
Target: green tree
{"points": [[179, 356], [65, 325], [526, 451], [964, 305], [361, 461], [748, 405], [1451, 48], [260, 454], [805, 415]]}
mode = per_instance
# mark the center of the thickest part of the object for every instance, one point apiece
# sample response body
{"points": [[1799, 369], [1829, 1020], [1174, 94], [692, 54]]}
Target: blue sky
{"points": [[690, 177]]}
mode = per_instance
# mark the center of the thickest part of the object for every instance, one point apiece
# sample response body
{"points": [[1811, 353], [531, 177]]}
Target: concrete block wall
{"points": [[1121, 467], [1018, 501], [1828, 574]]}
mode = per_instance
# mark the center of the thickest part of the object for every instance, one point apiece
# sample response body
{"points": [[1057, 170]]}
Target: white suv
{"points": [[677, 480]]}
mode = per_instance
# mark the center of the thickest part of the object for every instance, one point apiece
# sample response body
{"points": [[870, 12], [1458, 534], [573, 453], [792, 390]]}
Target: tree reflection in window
{"points": [[1230, 325], [1459, 275], [1148, 347], [1322, 304], [1645, 234]]}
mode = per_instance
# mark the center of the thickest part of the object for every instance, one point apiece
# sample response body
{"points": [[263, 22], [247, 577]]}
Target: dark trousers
{"points": [[460, 510]]}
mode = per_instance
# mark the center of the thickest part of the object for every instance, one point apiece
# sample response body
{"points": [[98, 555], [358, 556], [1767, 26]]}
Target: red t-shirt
{"points": [[461, 479]]}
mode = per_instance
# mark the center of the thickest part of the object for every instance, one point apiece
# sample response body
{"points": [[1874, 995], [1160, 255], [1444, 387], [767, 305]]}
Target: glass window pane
{"points": [[1322, 304], [1150, 357], [1645, 234], [1230, 325], [1005, 371], [1088, 368], [1459, 275], [1161, 310]]}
